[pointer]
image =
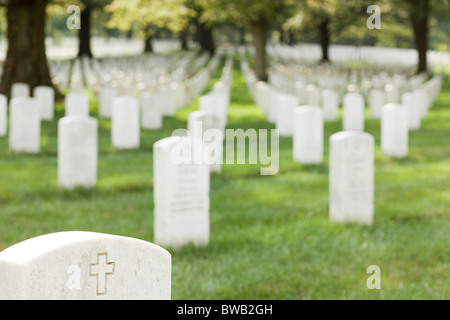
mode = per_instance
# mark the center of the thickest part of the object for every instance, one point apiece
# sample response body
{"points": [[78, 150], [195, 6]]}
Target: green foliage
{"points": [[142, 15]]}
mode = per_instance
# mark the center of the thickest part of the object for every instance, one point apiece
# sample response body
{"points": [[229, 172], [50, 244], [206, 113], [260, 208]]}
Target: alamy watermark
{"points": [[374, 281], [374, 21], [207, 147], [74, 21]]}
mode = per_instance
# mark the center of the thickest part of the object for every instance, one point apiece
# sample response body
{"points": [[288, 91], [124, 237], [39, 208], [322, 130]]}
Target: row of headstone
{"points": [[212, 118]]}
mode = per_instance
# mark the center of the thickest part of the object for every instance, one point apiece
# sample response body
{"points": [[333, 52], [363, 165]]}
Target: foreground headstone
{"points": [[25, 126], [351, 177], [394, 130], [77, 152], [181, 192], [84, 266], [45, 97], [3, 115], [76, 104], [125, 126], [308, 135], [353, 109]]}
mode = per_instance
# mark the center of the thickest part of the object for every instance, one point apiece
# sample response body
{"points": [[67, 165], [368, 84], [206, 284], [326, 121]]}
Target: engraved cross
{"points": [[101, 270]]}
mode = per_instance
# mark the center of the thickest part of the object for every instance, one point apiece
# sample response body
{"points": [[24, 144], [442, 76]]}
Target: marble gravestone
{"points": [[20, 90], [125, 125], [351, 177], [330, 104], [105, 101], [151, 117], [3, 115], [25, 126], [394, 130], [215, 103], [76, 104], [181, 193], [285, 118], [78, 265], [312, 95], [308, 135], [353, 109], [45, 97], [376, 99], [77, 152], [207, 127], [413, 110]]}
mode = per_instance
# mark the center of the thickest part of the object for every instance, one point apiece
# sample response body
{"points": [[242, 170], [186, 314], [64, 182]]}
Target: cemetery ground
{"points": [[271, 237]]}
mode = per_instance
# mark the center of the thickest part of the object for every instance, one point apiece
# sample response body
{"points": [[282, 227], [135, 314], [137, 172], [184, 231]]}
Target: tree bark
{"points": [[26, 60], [259, 39], [420, 25], [206, 39], [183, 39], [84, 34], [148, 46], [324, 39]]}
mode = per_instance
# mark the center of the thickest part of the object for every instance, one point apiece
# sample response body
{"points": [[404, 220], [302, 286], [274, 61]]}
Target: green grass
{"points": [[270, 235]]}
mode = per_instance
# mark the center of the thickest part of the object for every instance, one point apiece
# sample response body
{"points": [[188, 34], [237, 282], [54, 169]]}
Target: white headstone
{"points": [[308, 135], [3, 115], [181, 193], [208, 128], [151, 114], [353, 109], [45, 98], [392, 93], [330, 104], [394, 130], [413, 110], [25, 126], [272, 114], [125, 125], [77, 152], [76, 104], [351, 177], [285, 118], [20, 90], [312, 95], [79, 265], [262, 96], [215, 103], [105, 101], [422, 100], [376, 102]]}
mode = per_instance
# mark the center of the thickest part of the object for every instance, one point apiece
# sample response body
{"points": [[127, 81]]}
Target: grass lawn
{"points": [[270, 235]]}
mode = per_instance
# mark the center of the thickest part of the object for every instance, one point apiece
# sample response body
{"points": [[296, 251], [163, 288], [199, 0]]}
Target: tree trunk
{"points": [[291, 38], [205, 37], [324, 39], [183, 39], [84, 34], [419, 21], [259, 38], [26, 60], [148, 47]]}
